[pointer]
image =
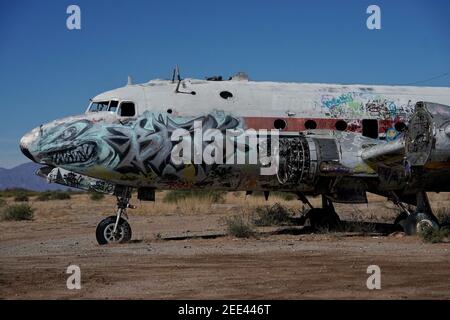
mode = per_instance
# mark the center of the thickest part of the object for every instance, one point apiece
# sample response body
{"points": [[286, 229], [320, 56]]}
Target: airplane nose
{"points": [[27, 141], [27, 153]]}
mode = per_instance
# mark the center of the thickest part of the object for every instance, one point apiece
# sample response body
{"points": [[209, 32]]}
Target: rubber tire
{"points": [[412, 221], [321, 218], [400, 221], [99, 232]]}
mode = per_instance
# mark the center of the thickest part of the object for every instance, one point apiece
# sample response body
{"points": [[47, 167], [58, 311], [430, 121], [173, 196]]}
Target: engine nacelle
{"points": [[428, 137], [322, 153]]}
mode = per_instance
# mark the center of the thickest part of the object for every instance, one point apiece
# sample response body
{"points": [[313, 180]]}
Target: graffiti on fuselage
{"points": [[131, 149], [360, 104], [75, 180]]}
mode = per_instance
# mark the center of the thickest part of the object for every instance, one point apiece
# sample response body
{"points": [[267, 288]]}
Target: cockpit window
{"points": [[127, 109], [99, 106], [113, 106]]}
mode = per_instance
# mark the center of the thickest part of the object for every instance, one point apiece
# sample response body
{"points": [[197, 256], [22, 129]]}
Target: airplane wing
{"points": [[385, 154]]}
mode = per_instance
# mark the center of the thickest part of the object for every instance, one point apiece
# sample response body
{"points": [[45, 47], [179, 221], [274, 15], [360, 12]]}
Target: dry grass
{"points": [[378, 209], [82, 204], [96, 196], [231, 202], [21, 197]]}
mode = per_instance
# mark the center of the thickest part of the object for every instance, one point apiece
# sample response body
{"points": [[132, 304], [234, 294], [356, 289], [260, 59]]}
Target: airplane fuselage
{"points": [[126, 135], [299, 106]]}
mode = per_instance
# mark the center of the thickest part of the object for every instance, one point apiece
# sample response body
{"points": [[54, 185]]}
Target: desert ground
{"points": [[182, 251]]}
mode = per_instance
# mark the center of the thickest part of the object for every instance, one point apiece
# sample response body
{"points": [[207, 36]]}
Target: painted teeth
{"points": [[79, 154]]}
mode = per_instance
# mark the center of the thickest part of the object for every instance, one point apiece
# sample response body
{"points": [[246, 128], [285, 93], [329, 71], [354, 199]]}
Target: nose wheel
{"points": [[115, 229], [105, 231]]}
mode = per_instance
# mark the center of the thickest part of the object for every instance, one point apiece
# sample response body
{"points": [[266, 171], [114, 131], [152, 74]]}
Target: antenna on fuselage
{"points": [[177, 74], [130, 81]]}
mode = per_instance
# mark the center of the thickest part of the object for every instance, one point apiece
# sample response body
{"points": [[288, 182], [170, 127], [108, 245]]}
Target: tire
{"points": [[321, 218], [402, 216], [103, 233], [416, 221], [400, 221]]}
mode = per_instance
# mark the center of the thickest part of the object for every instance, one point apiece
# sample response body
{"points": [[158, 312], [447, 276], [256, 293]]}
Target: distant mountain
{"points": [[23, 176]]}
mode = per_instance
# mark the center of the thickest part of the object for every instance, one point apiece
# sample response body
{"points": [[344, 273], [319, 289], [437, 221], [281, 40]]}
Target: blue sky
{"points": [[48, 71]]}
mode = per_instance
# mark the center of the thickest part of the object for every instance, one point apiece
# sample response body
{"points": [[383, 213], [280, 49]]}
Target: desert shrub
{"points": [[16, 191], [443, 215], [287, 196], [175, 196], [58, 195], [273, 215], [44, 196], [53, 195], [432, 235], [239, 227], [2, 202], [96, 196], [21, 197], [18, 212]]}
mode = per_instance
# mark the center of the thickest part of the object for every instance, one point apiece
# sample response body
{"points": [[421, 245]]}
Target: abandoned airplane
{"points": [[338, 141]]}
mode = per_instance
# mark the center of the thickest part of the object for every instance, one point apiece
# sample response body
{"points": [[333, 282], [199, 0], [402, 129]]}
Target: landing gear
{"points": [[418, 221], [323, 218], [422, 217], [400, 221], [105, 231], [115, 229]]}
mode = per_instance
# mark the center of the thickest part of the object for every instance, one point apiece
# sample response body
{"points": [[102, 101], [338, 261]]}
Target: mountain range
{"points": [[23, 176]]}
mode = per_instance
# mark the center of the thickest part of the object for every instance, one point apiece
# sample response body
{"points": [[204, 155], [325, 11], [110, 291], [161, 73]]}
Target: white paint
{"points": [[262, 99]]}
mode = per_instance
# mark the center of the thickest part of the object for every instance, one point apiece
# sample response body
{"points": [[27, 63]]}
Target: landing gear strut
{"points": [[323, 218], [115, 229], [422, 217]]}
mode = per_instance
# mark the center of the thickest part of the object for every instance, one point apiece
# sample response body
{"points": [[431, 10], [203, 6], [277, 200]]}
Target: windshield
{"points": [[97, 106]]}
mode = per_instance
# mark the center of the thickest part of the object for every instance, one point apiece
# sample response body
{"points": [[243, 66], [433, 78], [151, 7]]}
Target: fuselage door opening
{"points": [[127, 109], [370, 128]]}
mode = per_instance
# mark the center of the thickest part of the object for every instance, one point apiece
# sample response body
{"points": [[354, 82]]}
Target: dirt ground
{"points": [[34, 256]]}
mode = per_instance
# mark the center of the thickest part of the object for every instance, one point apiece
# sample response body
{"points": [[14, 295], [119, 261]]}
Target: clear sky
{"points": [[48, 71]]}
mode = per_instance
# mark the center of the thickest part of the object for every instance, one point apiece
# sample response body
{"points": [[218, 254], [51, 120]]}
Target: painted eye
{"points": [[69, 133]]}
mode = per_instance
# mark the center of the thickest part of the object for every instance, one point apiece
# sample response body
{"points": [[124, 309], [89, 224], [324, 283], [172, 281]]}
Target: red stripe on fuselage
{"points": [[298, 124]]}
